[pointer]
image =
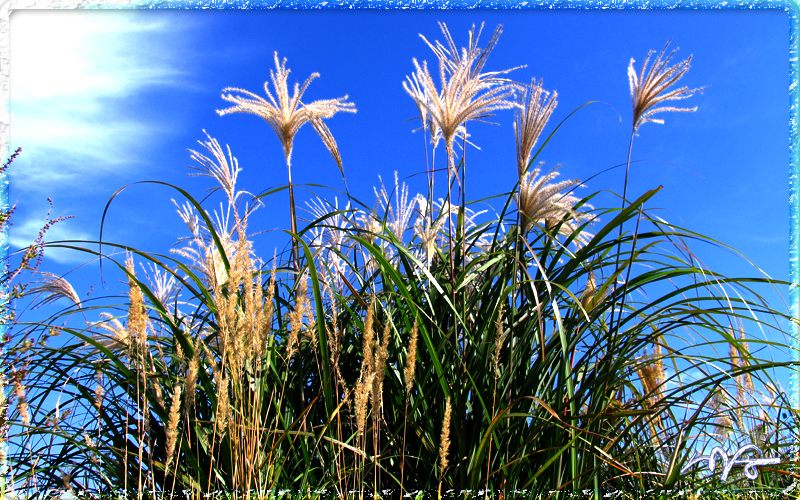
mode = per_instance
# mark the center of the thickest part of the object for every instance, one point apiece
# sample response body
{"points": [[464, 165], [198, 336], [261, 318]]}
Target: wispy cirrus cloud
{"points": [[75, 77]]}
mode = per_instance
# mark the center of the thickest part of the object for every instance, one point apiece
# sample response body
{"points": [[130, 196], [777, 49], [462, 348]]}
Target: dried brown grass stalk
{"points": [[301, 309], [444, 442], [191, 378], [365, 379], [137, 312], [411, 359], [722, 423], [17, 378], [172, 423]]}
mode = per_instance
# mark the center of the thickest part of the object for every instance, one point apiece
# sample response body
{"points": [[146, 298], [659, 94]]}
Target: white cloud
{"points": [[73, 75]]}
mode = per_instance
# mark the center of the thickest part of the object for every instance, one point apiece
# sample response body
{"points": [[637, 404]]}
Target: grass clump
{"points": [[421, 346]]}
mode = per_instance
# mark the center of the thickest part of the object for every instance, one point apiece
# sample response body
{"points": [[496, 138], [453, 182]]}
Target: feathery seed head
{"points": [[287, 114], [539, 202], [331, 230], [191, 378], [400, 214], [201, 249], [223, 171], [92, 447], [368, 342], [163, 285], [369, 226], [223, 414], [296, 317], [535, 107], [329, 235], [268, 311], [651, 90], [466, 93], [381, 355], [99, 392], [19, 393], [120, 336], [364, 387], [54, 287], [653, 376], [590, 298], [744, 382]]}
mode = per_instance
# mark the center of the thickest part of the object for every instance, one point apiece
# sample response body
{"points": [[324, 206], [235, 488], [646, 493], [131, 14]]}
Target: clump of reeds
{"points": [[228, 381]]}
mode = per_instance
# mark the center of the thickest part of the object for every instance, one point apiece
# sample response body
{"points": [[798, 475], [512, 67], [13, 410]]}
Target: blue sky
{"points": [[102, 99]]}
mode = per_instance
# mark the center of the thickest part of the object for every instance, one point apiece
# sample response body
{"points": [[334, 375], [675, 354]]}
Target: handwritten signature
{"points": [[750, 470]]}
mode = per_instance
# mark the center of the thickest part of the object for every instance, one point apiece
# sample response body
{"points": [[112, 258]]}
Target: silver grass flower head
{"points": [[201, 249], [417, 92], [723, 423], [648, 91], [368, 226], [535, 107], [162, 284], [287, 114], [117, 338], [429, 227], [222, 170], [329, 235], [540, 201], [472, 58], [466, 94], [53, 287], [400, 214], [332, 230]]}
